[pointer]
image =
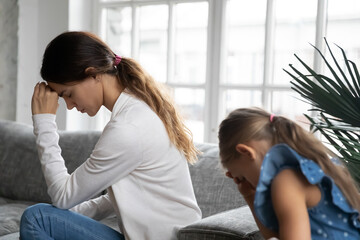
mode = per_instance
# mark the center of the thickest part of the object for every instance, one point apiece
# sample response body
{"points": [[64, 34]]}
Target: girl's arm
{"points": [[265, 232], [248, 193], [289, 201]]}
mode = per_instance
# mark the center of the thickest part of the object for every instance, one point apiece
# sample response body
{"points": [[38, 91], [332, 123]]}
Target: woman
{"points": [[140, 157]]}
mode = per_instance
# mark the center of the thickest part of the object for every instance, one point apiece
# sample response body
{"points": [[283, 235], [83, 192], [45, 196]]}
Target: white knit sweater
{"points": [[147, 178]]}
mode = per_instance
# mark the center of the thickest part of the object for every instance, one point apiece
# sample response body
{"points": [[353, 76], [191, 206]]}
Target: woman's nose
{"points": [[69, 104]]}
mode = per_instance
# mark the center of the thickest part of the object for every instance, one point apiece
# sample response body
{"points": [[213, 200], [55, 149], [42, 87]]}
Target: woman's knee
{"points": [[40, 207], [34, 210]]}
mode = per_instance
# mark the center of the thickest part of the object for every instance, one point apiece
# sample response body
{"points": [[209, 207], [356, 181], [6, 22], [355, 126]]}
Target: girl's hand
{"points": [[244, 187], [44, 100]]}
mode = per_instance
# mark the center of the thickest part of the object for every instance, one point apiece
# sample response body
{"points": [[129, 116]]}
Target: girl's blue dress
{"points": [[332, 218]]}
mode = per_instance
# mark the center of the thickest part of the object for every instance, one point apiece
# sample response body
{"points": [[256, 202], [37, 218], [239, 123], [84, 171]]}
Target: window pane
{"points": [[116, 0], [153, 40], [342, 29], [290, 105], [295, 24], [245, 35], [233, 99], [190, 42], [116, 25], [191, 103]]}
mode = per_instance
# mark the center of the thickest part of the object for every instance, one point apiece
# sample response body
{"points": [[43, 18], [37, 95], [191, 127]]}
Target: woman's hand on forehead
{"points": [[44, 99]]}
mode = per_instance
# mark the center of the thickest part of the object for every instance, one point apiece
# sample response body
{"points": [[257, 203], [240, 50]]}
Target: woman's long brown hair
{"points": [[68, 56], [245, 124]]}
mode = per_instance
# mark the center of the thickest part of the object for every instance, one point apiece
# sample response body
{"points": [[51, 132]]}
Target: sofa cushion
{"points": [[10, 215], [12, 236], [213, 190], [233, 224]]}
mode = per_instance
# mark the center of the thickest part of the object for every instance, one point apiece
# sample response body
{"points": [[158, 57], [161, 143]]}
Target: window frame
{"points": [[216, 52]]}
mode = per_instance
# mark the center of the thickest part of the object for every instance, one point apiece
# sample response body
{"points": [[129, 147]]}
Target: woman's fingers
{"points": [[44, 100], [42, 87]]}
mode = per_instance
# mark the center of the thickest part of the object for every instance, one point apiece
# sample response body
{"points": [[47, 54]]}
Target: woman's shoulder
{"points": [[129, 110]]}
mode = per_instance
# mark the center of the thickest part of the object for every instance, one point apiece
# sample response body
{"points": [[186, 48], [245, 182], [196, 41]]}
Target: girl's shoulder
{"points": [[281, 157]]}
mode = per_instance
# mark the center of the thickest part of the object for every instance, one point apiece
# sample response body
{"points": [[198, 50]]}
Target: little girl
{"points": [[287, 178]]}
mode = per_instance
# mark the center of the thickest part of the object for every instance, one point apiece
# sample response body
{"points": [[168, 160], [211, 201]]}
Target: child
{"points": [[140, 158], [287, 178]]}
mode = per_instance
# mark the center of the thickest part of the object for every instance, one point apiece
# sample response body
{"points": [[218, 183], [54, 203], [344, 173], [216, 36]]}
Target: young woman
{"points": [[140, 157], [287, 178]]}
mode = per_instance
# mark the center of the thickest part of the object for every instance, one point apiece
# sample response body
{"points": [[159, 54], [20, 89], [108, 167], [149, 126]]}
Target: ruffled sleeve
{"points": [[281, 157]]}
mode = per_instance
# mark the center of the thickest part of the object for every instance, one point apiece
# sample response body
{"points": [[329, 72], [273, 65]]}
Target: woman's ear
{"points": [[245, 150], [90, 71]]}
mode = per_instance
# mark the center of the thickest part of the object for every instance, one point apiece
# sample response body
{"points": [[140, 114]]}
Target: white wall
{"points": [[39, 22], [9, 12]]}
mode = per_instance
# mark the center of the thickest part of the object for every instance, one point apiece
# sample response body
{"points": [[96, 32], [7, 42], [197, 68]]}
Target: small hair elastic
{"points": [[272, 117], [117, 60]]}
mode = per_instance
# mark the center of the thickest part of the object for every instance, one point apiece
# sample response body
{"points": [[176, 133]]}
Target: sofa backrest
{"points": [[21, 177], [214, 191]]}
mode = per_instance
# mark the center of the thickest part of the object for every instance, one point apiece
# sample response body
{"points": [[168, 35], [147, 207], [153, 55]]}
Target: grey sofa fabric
{"points": [[22, 184], [9, 217], [21, 177], [214, 192], [11, 236], [232, 224]]}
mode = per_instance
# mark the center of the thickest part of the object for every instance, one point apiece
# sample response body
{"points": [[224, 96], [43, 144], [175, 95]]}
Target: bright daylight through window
{"points": [[218, 55]]}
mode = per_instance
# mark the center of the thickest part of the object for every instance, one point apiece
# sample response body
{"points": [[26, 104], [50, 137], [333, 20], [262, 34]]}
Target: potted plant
{"points": [[335, 99]]}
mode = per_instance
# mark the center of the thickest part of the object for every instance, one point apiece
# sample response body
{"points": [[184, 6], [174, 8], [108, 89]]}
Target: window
{"points": [[170, 40], [343, 23], [218, 55]]}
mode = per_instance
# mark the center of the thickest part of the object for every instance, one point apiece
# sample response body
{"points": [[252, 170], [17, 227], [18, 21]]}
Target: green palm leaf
{"points": [[336, 98]]}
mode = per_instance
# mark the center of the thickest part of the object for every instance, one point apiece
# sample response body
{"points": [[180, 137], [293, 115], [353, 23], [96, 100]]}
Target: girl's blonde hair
{"points": [[245, 124], [69, 55]]}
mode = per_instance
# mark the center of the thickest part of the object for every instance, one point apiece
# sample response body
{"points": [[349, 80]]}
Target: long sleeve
{"points": [[116, 154], [97, 208]]}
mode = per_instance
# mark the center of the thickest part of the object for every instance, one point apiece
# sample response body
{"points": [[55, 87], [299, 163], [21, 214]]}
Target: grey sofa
{"points": [[225, 214]]}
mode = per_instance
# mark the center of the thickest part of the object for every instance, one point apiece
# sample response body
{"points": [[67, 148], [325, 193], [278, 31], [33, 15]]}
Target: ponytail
{"points": [[142, 85]]}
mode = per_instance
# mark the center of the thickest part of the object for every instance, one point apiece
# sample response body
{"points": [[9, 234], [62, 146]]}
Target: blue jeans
{"points": [[44, 221]]}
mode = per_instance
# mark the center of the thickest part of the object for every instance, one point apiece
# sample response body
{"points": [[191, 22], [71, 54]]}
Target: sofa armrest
{"points": [[233, 224]]}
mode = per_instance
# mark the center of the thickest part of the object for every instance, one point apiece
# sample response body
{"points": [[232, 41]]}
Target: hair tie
{"points": [[117, 60], [272, 117]]}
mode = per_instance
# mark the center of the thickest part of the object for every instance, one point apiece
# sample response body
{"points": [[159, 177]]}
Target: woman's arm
{"points": [[97, 208], [289, 201], [117, 153]]}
